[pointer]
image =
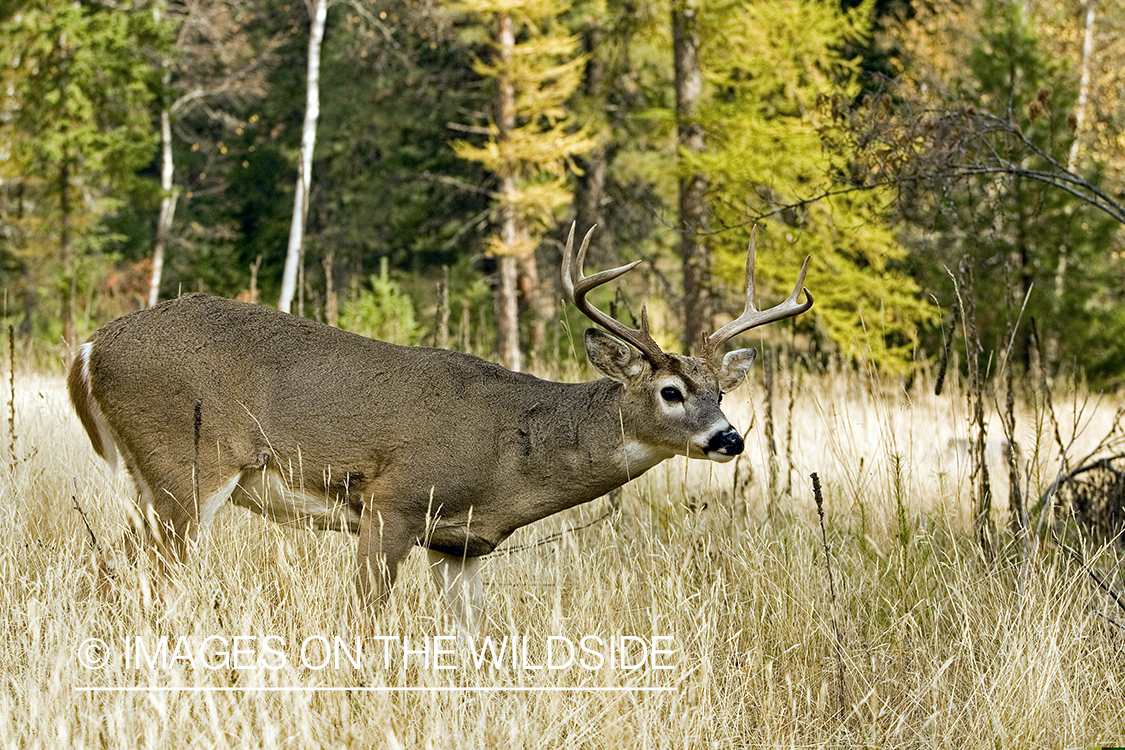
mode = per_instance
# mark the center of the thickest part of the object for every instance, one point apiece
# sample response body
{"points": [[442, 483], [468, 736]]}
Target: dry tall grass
{"points": [[936, 646]]}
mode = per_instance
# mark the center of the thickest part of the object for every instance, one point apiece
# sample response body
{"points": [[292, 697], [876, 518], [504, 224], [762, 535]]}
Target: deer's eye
{"points": [[720, 398], [672, 395]]}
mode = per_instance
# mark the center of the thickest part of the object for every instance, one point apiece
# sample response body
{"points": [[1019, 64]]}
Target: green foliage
{"points": [[77, 81], [1026, 239], [1007, 62], [471, 310], [386, 180], [1030, 222], [769, 160], [389, 180], [382, 312], [81, 79], [769, 64], [410, 169]]}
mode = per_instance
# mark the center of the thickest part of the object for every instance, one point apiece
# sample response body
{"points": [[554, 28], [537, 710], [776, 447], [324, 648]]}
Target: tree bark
{"points": [[167, 203], [441, 327], [1072, 161], [506, 291], [1083, 83], [331, 304], [66, 257], [589, 188], [534, 306], [66, 253], [589, 200], [254, 268], [589, 197], [294, 255], [507, 312], [693, 186]]}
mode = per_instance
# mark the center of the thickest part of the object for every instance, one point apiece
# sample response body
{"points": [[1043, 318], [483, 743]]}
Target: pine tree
{"points": [[769, 65], [985, 132], [79, 82], [530, 141], [694, 224]]}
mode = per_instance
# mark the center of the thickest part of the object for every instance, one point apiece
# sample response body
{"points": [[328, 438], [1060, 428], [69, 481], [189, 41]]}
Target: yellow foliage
{"points": [[522, 247], [542, 71]]}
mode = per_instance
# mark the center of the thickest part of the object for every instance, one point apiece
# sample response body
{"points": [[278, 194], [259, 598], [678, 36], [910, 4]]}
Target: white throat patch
{"points": [[639, 457]]}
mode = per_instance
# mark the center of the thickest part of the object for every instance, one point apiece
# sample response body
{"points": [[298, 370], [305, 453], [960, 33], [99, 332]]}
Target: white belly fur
{"points": [[268, 494]]}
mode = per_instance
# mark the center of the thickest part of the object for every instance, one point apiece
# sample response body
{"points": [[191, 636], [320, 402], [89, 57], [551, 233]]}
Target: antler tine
{"points": [[576, 286], [751, 316]]}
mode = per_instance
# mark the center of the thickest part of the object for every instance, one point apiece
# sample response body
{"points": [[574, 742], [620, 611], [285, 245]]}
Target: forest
{"points": [[917, 543], [408, 169]]}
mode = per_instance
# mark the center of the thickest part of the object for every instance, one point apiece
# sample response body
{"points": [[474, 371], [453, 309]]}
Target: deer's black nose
{"points": [[727, 442]]}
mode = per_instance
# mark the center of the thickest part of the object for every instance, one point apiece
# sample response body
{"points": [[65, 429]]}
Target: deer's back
{"points": [[266, 380]]}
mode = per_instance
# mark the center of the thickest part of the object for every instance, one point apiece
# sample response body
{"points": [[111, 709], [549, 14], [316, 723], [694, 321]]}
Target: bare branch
{"points": [[1077, 557]]}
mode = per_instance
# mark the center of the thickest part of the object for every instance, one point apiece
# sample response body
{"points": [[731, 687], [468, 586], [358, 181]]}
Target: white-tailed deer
{"points": [[207, 400]]}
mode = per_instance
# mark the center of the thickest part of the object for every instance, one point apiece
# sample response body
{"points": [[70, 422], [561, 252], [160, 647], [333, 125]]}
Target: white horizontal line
{"points": [[375, 689]]}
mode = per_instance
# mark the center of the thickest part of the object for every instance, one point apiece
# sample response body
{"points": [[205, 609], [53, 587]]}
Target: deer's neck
{"points": [[560, 445], [584, 448]]}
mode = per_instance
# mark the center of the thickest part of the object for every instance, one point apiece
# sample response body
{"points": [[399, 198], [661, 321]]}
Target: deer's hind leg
{"points": [[174, 504]]}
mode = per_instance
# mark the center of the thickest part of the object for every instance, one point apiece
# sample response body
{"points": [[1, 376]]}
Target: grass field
{"points": [[925, 643]]}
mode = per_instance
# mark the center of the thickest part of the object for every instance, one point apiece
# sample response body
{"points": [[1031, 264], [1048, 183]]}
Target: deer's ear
{"points": [[613, 357], [735, 366]]}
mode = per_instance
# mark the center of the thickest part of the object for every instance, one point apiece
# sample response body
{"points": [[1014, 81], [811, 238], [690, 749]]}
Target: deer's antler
{"points": [[751, 316], [576, 286]]}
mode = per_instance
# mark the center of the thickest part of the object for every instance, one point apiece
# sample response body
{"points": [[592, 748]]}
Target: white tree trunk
{"points": [[1075, 146], [1083, 84], [293, 257], [167, 207]]}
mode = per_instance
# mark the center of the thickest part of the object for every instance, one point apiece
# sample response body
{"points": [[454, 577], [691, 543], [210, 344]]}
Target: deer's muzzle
{"points": [[726, 443]]}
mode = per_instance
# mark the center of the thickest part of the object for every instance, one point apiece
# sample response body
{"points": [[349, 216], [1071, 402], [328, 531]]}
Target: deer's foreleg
{"points": [[459, 579], [385, 538]]}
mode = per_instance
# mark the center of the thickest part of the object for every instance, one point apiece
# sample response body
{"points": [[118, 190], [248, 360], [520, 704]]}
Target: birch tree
{"points": [[294, 256], [1077, 123], [212, 61]]}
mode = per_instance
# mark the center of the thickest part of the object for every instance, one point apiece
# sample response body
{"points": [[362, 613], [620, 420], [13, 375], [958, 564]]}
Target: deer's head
{"points": [[671, 402]]}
